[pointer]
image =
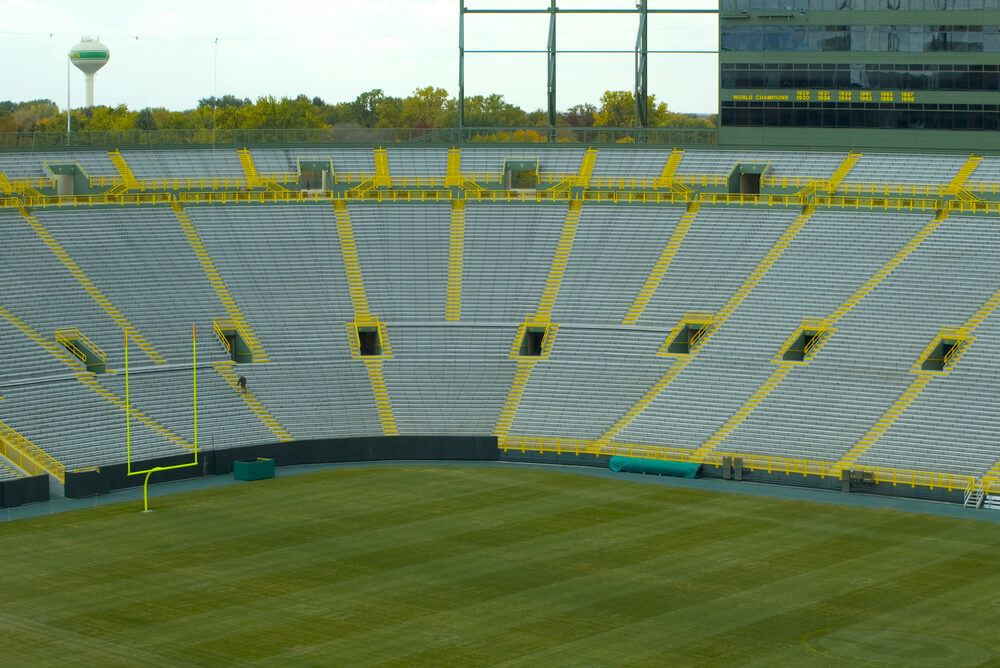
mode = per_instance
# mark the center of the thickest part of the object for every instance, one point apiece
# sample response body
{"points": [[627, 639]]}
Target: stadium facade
{"points": [[920, 74]]}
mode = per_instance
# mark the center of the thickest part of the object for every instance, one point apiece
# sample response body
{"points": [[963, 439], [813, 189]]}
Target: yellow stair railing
{"points": [[453, 174], [560, 259], [666, 178], [249, 168], [69, 336], [885, 422], [680, 363], [128, 176], [586, 167], [765, 264], [91, 288], [506, 417], [921, 381], [886, 269], [753, 462], [382, 177], [225, 369], [748, 407], [456, 256], [383, 405], [352, 262], [826, 325], [219, 285], [842, 170], [958, 181], [662, 264], [89, 380], [363, 315], [27, 456]]}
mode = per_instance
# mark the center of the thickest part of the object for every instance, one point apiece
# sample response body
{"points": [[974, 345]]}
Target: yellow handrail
{"points": [[28, 456], [771, 464]]}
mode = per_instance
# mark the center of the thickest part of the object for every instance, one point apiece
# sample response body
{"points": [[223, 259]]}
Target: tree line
{"points": [[427, 107]]}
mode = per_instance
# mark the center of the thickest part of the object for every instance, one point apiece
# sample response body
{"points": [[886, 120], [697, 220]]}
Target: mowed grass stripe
{"points": [[362, 573], [277, 575], [729, 612], [475, 566], [614, 597]]}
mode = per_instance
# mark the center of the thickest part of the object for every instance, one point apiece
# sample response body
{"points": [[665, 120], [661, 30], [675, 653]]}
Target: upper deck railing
{"points": [[590, 136]]}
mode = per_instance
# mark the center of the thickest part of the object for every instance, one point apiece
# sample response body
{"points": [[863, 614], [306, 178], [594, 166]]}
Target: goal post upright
{"points": [[128, 420]]}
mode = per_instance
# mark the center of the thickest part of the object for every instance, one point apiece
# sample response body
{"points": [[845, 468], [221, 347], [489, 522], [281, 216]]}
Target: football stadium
{"points": [[676, 390]]}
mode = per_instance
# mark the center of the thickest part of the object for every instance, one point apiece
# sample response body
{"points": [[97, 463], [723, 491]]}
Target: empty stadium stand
{"points": [[795, 330]]}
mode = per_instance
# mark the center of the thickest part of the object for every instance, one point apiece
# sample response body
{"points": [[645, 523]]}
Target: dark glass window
{"points": [[880, 38], [869, 77], [857, 115]]}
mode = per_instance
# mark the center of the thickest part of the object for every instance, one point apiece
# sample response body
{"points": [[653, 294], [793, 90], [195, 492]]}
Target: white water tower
{"points": [[89, 56]]}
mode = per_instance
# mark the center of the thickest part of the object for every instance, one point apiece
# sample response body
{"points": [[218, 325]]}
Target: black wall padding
{"points": [[17, 492], [322, 451]]}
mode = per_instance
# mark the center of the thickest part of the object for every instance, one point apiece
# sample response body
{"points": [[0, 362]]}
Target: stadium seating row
{"points": [[766, 269], [432, 162]]}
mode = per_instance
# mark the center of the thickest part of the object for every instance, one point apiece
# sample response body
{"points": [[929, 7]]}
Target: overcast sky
{"points": [[171, 54]]}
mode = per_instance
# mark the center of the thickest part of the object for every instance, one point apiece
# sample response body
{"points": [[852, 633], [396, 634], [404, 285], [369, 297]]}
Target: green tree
{"points": [[426, 108], [145, 120], [365, 107]]}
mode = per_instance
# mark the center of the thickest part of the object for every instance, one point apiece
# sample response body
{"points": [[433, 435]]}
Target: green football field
{"points": [[476, 565]]}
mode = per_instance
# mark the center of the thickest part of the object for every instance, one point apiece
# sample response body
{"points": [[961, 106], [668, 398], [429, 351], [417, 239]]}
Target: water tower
{"points": [[89, 56]]}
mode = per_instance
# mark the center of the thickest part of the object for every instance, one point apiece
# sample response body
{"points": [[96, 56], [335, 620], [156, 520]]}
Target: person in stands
{"points": [[241, 384]]}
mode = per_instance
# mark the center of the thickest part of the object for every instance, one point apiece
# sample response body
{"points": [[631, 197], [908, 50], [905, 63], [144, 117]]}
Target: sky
{"points": [[171, 54]]}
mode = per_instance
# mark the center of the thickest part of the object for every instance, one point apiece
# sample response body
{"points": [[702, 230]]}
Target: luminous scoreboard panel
{"points": [[825, 96]]}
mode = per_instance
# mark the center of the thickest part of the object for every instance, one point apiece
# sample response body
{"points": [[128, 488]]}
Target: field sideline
{"points": [[426, 565]]}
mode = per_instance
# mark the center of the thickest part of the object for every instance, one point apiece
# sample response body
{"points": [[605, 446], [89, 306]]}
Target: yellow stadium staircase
{"points": [[381, 392], [885, 270], [884, 423], [748, 407], [352, 263], [738, 297], [453, 173], [842, 170], [91, 288], [456, 256], [514, 394], [382, 177], [765, 264], [249, 168], [29, 457], [557, 270], [866, 288], [225, 369], [359, 302], [958, 181], [679, 364], [917, 385], [666, 178], [659, 269], [586, 167], [129, 182], [89, 380], [218, 285]]}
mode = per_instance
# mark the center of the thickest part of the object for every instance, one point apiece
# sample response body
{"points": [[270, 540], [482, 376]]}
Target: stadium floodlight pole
{"points": [[641, 70], [552, 70], [640, 52], [461, 70]]}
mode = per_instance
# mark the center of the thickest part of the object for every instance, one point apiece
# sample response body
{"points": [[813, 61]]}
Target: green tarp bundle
{"points": [[653, 466]]}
